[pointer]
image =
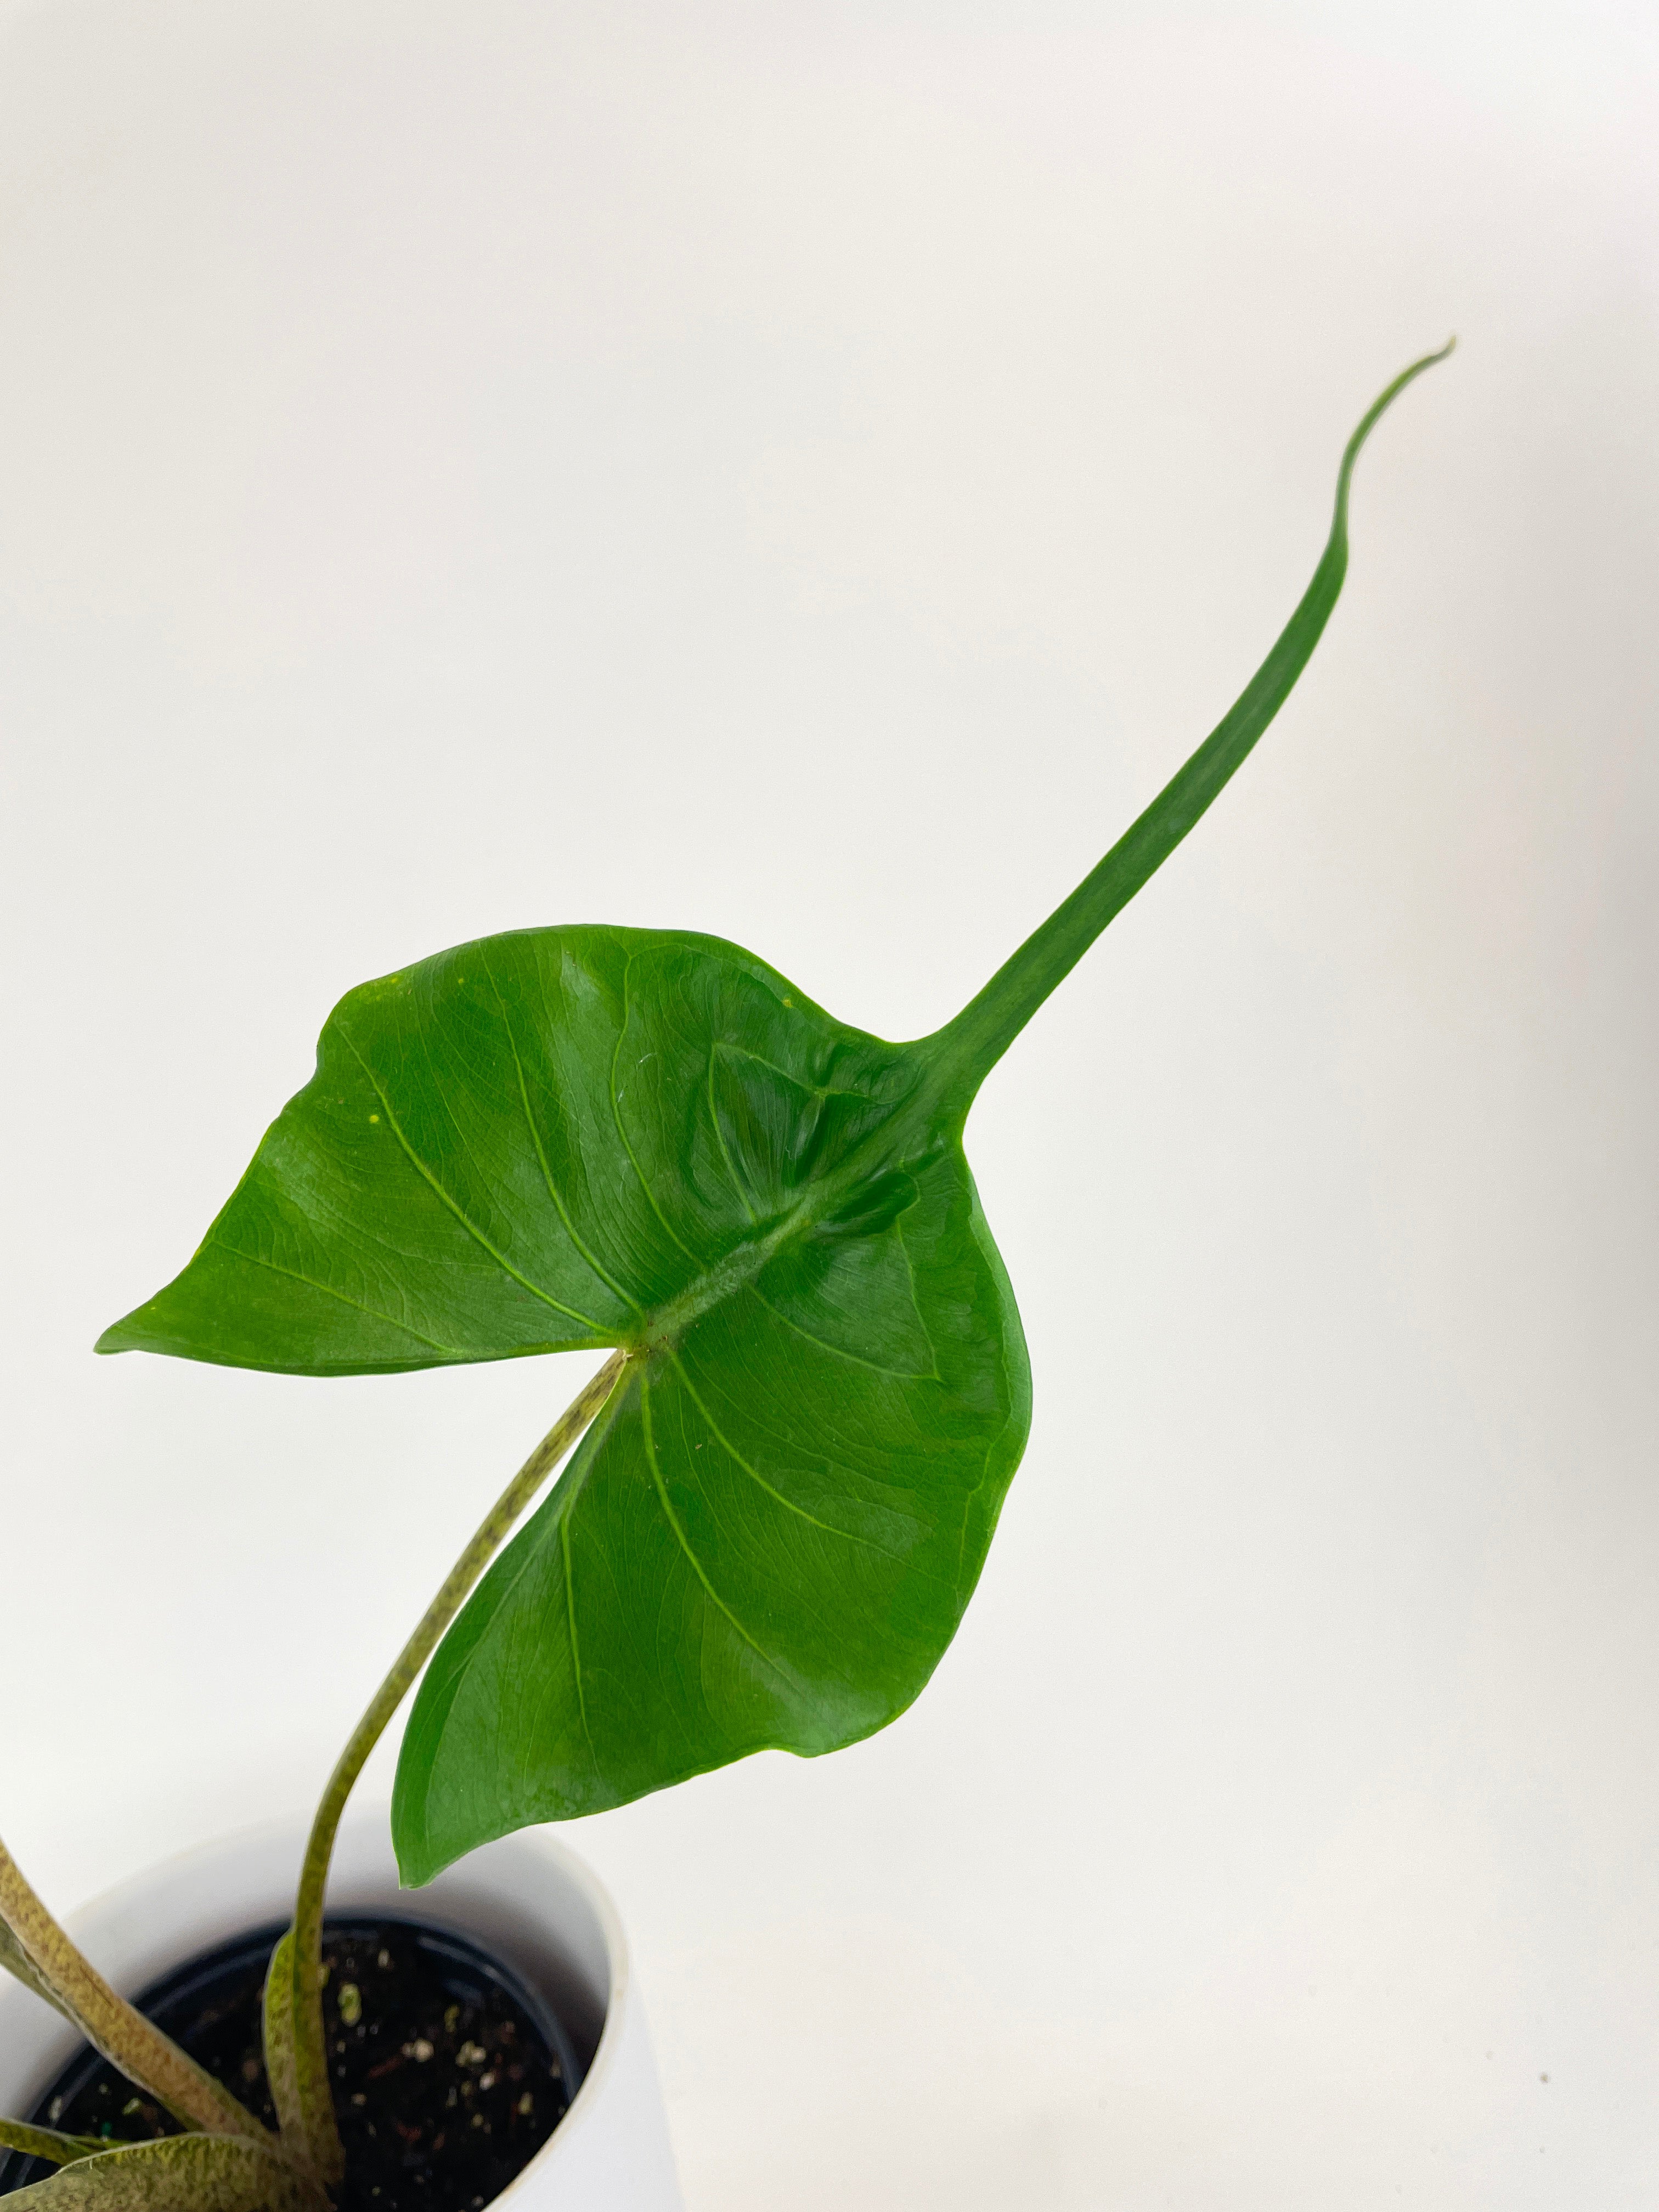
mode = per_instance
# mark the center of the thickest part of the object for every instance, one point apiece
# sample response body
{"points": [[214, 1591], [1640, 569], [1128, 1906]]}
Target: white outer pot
{"points": [[526, 1900]]}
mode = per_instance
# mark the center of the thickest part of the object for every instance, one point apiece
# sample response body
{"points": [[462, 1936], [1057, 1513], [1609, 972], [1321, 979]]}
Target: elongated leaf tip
{"points": [[135, 1331], [1378, 408], [970, 1045]]}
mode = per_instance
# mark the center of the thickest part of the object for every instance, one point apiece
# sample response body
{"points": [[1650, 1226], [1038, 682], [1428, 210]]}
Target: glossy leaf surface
{"points": [[599, 1136], [593, 1137]]}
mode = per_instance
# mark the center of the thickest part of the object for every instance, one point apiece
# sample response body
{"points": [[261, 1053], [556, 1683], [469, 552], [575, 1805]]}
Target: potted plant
{"points": [[776, 1496]]}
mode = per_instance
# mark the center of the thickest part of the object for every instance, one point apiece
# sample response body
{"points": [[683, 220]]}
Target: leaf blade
{"points": [[175, 2173], [719, 1573], [282, 2069], [48, 2143], [485, 1228]]}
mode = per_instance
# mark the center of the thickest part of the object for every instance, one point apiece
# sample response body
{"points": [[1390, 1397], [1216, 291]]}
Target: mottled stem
{"points": [[109, 2024], [17, 1962], [310, 2051]]}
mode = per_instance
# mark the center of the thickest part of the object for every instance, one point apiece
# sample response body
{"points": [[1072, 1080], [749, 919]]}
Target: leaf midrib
{"points": [[661, 1328]]}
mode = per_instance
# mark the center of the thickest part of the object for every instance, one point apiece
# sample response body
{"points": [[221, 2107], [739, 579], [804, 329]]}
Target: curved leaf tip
{"points": [[967, 1048]]}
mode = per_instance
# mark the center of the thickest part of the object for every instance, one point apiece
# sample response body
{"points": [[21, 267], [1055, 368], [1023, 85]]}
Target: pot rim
{"points": [[502, 1874]]}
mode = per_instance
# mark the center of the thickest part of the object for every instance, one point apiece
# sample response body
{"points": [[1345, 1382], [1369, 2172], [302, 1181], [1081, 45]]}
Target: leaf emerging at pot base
{"points": [[48, 2143], [179, 2173]]}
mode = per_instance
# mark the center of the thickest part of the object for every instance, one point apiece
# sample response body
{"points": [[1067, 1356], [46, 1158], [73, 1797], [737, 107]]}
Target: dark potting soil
{"points": [[449, 2075]]}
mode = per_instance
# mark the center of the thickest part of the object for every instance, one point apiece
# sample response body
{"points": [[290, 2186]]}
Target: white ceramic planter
{"points": [[526, 1900]]}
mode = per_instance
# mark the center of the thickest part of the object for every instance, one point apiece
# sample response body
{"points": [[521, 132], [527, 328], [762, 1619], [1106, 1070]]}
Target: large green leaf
{"points": [[600, 1136], [592, 1137]]}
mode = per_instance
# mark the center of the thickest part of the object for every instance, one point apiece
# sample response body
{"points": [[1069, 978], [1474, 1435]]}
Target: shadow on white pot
{"points": [[526, 1900]]}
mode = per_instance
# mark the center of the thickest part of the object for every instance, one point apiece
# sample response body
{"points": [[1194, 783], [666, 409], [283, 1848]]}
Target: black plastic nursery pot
{"points": [[450, 2073]]}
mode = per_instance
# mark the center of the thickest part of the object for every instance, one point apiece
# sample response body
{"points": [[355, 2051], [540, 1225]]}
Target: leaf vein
{"points": [[559, 1206], [754, 1476], [684, 1542], [616, 1116], [719, 1138], [293, 1275], [458, 1211], [839, 1350], [575, 1642]]}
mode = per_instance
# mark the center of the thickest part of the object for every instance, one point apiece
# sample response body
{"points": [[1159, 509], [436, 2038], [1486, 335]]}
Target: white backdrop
{"points": [[808, 472]]}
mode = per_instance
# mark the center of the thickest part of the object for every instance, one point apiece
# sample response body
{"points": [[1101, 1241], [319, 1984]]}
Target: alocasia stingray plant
{"points": [[789, 1468]]}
